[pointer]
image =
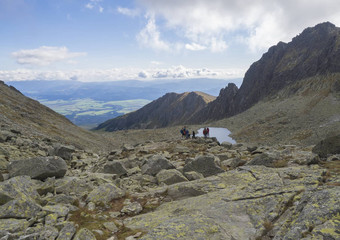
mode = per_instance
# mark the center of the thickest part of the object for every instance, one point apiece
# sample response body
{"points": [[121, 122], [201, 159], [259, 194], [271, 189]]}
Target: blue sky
{"points": [[105, 40]]}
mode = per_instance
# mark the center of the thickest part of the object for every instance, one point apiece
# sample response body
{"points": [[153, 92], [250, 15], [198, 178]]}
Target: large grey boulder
{"points": [[155, 165], [63, 151], [18, 198], [263, 160], [38, 168], [84, 234], [114, 167], [328, 146], [203, 164], [67, 232], [73, 186], [105, 193], [170, 176]]}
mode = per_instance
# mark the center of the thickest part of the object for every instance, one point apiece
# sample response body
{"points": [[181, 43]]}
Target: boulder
{"points": [[203, 164], [49, 233], [193, 175], [263, 160], [13, 225], [38, 168], [155, 165], [170, 176], [84, 234], [131, 208], [115, 167], [67, 232], [227, 145], [233, 163], [73, 186], [105, 193], [64, 151], [328, 146]]}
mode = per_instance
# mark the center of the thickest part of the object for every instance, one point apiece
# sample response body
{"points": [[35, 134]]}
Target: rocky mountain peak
{"points": [[169, 110], [316, 51]]}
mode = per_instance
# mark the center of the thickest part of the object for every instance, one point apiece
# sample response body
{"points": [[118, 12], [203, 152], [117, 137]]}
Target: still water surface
{"points": [[222, 134]]}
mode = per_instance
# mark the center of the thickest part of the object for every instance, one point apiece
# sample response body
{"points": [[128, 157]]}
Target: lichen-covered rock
{"points": [[104, 194], [73, 186], [192, 175], [115, 167], [49, 233], [312, 210], [67, 232], [19, 196], [155, 165], [203, 164], [170, 176], [12, 225], [58, 209], [233, 163], [23, 208], [131, 208], [38, 168], [239, 204], [84, 234]]}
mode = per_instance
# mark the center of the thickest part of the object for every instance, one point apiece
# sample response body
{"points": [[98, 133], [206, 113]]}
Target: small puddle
{"points": [[221, 134]]}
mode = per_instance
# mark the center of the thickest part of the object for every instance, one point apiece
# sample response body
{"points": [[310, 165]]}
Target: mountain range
{"points": [[306, 68]]}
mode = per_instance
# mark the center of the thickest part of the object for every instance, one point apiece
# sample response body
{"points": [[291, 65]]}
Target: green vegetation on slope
{"points": [[89, 113]]}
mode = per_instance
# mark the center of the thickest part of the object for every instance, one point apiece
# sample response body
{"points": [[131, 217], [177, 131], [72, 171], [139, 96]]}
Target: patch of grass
{"points": [[280, 163], [125, 232]]}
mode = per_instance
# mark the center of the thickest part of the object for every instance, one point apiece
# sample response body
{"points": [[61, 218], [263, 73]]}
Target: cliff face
{"points": [[316, 51], [169, 110]]}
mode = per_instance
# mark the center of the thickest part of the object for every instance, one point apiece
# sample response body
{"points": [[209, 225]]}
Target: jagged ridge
{"points": [[169, 110], [316, 51]]}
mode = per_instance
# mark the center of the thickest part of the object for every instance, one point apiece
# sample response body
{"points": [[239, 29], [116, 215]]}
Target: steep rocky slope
{"points": [[169, 110], [315, 52], [302, 113], [23, 116]]}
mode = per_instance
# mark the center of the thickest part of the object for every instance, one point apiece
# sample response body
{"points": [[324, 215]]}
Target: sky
{"points": [[109, 40]]}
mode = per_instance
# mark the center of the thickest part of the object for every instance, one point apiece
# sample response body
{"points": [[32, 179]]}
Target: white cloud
{"points": [[89, 6], [128, 12], [195, 47], [114, 74], [94, 4], [44, 55], [150, 36], [261, 24]]}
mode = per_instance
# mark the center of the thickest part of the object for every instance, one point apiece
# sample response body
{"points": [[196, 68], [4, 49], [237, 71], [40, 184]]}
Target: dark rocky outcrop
{"points": [[328, 146], [38, 168], [169, 110]]}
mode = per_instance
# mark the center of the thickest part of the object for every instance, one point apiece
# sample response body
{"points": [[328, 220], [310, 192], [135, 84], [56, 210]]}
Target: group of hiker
{"points": [[186, 134]]}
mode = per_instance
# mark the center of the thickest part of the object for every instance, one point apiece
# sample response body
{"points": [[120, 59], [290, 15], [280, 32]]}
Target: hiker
{"points": [[193, 134], [183, 132], [205, 132], [187, 134]]}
